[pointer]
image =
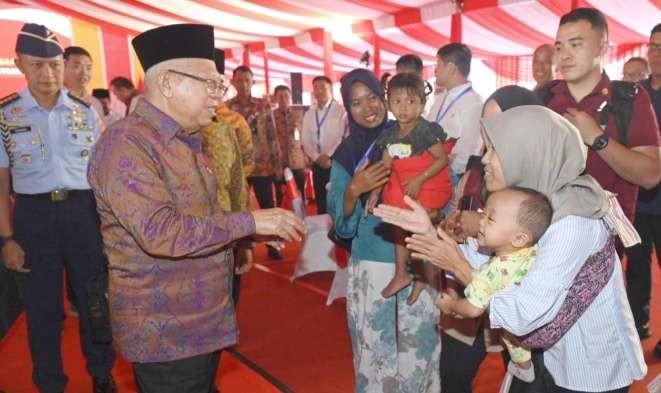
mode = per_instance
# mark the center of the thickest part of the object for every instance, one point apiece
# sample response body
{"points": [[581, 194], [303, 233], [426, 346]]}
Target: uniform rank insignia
{"points": [[78, 119]]}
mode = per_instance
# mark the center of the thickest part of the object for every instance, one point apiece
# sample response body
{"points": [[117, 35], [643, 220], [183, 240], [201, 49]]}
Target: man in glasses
{"points": [[164, 232], [648, 213], [635, 69]]}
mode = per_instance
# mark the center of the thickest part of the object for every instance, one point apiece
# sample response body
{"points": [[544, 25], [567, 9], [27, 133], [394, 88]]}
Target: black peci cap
{"points": [[182, 41], [100, 93], [220, 61]]}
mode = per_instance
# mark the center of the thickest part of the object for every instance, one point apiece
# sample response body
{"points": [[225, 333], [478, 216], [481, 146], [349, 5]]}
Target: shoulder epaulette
{"points": [[9, 99], [79, 100]]}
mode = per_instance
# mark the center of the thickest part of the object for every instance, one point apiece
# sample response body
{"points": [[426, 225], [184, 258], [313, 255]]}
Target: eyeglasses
{"points": [[215, 87], [653, 47]]}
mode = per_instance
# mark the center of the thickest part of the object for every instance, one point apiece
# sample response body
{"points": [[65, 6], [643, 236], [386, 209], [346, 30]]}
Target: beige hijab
{"points": [[540, 149]]}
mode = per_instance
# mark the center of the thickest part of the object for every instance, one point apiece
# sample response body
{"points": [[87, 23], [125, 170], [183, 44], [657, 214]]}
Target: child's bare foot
{"points": [[395, 285], [418, 287]]}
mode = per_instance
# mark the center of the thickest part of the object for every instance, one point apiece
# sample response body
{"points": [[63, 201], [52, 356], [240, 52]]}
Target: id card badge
{"points": [[297, 135]]}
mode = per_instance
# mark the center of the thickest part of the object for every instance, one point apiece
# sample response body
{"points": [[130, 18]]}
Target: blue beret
{"points": [[37, 40], [182, 41]]}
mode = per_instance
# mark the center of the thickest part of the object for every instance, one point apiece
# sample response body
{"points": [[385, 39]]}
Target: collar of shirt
{"points": [[29, 102], [647, 84], [458, 89], [235, 102], [601, 89], [281, 111], [166, 126], [323, 108]]}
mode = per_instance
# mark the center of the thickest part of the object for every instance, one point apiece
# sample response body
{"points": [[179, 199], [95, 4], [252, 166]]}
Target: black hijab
{"points": [[354, 147], [508, 97]]}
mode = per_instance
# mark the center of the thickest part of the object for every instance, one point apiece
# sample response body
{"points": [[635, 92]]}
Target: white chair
{"points": [[339, 286], [318, 253]]}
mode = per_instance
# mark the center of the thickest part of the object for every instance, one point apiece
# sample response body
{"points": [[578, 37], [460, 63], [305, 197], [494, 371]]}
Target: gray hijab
{"points": [[542, 150]]}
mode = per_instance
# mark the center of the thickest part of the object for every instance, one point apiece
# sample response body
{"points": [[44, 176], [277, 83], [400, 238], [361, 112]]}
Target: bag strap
{"points": [[588, 283], [545, 92], [622, 103]]}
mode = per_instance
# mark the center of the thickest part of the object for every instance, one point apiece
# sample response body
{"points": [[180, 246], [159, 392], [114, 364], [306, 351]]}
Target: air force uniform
{"points": [[55, 219], [47, 150]]}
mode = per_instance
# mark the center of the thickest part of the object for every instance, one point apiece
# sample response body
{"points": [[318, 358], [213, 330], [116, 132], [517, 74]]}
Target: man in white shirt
{"points": [[459, 108], [109, 117], [125, 90], [78, 74], [323, 130], [412, 64]]}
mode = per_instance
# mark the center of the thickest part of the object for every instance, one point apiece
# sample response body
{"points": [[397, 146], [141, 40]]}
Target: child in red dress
{"points": [[414, 149]]}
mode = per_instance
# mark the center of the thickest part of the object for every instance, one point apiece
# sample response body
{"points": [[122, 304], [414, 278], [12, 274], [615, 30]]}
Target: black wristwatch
{"points": [[600, 142], [4, 240]]}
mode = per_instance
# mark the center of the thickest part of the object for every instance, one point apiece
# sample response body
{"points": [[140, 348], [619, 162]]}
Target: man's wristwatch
{"points": [[4, 240], [600, 142]]}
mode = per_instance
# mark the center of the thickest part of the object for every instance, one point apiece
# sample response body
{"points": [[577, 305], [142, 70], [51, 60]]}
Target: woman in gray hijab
{"points": [[530, 146]]}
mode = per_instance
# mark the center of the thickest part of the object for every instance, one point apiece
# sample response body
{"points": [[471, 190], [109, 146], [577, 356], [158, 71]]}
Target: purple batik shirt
{"points": [[165, 238]]}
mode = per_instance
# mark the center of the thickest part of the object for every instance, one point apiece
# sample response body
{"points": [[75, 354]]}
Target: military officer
{"points": [[47, 138]]}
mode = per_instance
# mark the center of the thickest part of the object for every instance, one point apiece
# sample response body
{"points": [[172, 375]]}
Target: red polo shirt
{"points": [[643, 131]]}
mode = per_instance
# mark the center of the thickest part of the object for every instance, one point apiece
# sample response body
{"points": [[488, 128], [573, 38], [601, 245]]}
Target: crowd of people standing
{"points": [[503, 220]]}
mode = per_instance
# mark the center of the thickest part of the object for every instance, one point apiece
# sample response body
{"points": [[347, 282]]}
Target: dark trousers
{"points": [[299, 177], [639, 269], [460, 362], [57, 236], [196, 374], [236, 288], [263, 186], [544, 382], [320, 177]]}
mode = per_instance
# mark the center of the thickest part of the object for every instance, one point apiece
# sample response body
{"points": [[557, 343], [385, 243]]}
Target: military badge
{"points": [[17, 111], [78, 119]]}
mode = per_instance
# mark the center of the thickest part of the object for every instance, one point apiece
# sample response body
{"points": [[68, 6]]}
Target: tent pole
{"points": [[266, 72], [455, 28], [377, 56], [328, 55], [246, 56]]}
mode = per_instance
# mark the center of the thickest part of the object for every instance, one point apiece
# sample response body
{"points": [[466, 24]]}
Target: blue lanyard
{"points": [[362, 160], [321, 123], [439, 115]]}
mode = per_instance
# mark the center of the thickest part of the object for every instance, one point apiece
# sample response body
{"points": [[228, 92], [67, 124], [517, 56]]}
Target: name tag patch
{"points": [[20, 130]]}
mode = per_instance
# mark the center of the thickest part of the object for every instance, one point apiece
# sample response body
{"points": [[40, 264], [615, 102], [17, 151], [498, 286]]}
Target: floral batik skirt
{"points": [[396, 347]]}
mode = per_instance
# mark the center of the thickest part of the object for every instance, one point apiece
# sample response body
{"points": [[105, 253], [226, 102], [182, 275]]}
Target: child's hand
{"points": [[413, 187]]}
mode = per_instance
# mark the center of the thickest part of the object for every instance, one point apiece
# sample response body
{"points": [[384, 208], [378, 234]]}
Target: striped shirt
{"points": [[601, 351]]}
